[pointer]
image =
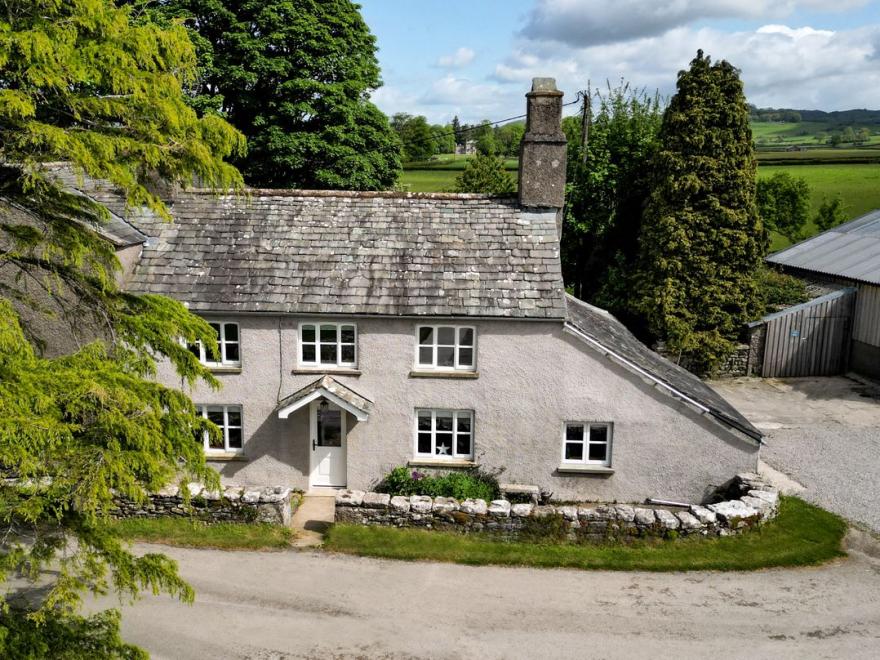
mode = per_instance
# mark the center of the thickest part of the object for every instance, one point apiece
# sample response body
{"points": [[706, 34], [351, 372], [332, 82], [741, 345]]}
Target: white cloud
{"points": [[586, 23], [781, 66], [461, 57]]}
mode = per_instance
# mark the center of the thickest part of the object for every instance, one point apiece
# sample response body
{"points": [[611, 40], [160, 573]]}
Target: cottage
{"points": [[360, 331], [845, 257]]}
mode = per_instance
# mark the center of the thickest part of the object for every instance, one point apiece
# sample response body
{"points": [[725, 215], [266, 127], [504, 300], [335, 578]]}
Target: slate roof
{"points": [[327, 252], [612, 336], [119, 228], [850, 250], [328, 384]]}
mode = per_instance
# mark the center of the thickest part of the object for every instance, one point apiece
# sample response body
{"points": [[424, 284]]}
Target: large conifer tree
{"points": [[295, 77], [701, 239], [84, 82]]}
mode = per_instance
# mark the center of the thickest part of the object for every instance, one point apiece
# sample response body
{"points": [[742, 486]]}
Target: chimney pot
{"points": [[543, 151]]}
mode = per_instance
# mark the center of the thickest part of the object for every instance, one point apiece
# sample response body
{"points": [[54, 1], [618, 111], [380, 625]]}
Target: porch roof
{"points": [[332, 390]]}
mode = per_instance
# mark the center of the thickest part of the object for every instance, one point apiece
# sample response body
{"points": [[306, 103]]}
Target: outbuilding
{"points": [[846, 257]]}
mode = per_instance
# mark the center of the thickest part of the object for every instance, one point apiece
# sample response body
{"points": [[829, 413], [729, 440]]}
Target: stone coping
{"points": [[246, 494]]}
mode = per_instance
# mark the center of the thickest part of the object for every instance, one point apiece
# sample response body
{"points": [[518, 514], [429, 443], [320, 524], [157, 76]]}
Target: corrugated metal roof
{"points": [[851, 250]]}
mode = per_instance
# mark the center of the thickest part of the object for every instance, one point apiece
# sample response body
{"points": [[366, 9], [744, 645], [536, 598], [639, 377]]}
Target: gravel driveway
{"points": [[284, 605], [823, 432]]}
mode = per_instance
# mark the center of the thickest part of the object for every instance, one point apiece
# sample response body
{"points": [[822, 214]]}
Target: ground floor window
{"points": [[444, 434], [587, 442], [228, 418]]}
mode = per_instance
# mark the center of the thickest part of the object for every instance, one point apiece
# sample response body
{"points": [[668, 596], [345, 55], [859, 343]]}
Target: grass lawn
{"points": [[428, 180], [801, 535], [859, 185], [189, 533]]}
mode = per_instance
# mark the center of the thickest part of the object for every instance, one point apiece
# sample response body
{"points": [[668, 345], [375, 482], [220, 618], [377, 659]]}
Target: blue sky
{"points": [[476, 58]]}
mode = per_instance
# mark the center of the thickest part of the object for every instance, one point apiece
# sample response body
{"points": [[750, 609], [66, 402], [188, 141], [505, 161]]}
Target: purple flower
{"points": [[416, 475]]}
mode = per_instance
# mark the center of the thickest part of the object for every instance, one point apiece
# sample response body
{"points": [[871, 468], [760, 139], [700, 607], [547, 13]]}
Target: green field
{"points": [[809, 133], [859, 185]]}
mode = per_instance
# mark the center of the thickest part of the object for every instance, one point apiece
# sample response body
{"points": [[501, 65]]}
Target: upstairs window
{"points": [[445, 347], [228, 418], [227, 341], [328, 344], [587, 443], [444, 434]]}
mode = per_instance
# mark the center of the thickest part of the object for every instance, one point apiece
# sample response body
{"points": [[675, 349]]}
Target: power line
{"points": [[467, 129]]}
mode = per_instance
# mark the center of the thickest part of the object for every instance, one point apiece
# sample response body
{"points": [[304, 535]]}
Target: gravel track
{"points": [[824, 433]]}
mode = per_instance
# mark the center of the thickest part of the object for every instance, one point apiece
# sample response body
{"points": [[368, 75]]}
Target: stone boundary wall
{"points": [[752, 502], [230, 504]]}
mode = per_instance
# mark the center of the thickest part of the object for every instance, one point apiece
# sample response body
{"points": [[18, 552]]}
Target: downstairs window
{"points": [[587, 443], [444, 434]]}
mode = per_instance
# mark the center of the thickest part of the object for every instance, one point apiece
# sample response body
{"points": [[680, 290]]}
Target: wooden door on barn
{"points": [[811, 339]]}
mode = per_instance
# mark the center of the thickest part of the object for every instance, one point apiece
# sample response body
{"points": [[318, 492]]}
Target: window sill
{"points": [[226, 457], [223, 369], [464, 375], [427, 462], [585, 469], [335, 371]]}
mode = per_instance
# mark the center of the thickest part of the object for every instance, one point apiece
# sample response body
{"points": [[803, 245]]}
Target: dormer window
{"points": [[228, 343], [328, 344], [446, 348]]}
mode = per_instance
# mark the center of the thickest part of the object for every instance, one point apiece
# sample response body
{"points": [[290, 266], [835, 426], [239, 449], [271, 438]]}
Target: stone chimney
{"points": [[542, 154]]}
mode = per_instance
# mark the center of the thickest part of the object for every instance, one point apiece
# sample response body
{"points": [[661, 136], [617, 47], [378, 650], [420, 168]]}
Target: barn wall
{"points": [[865, 355], [866, 325]]}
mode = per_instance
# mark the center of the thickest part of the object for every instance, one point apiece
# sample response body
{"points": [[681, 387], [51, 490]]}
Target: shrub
{"points": [[469, 484], [780, 290]]}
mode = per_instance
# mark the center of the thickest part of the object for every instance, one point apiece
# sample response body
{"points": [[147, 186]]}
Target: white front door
{"points": [[328, 444]]}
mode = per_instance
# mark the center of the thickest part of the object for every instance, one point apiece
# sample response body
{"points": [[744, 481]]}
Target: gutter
{"points": [[704, 409]]}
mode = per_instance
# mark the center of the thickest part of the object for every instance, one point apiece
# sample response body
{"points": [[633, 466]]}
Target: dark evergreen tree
{"points": [[456, 129], [484, 174], [702, 238], [295, 77]]}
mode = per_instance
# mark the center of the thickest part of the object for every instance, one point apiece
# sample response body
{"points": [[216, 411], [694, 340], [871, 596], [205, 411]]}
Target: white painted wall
{"points": [[532, 378]]}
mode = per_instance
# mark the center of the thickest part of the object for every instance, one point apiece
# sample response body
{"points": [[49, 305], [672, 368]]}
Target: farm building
{"points": [[847, 258]]}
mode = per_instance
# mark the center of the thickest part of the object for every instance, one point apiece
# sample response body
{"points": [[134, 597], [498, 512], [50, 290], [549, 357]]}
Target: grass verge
{"points": [[801, 535], [189, 533]]}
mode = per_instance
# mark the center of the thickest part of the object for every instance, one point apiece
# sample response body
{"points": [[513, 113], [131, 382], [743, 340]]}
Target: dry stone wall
{"points": [[231, 504], [752, 501]]}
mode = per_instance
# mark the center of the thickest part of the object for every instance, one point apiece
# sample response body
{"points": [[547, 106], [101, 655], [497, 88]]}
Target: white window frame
{"points": [[453, 455], [586, 442], [317, 343], [222, 343], [457, 366], [202, 411]]}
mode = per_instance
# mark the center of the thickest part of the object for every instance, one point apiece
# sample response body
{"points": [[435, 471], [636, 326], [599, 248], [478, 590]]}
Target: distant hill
{"points": [[856, 117]]}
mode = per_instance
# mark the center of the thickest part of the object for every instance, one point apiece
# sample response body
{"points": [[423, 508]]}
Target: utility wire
{"points": [[468, 129]]}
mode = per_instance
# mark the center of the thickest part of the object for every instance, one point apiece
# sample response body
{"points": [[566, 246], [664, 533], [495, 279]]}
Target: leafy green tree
{"points": [[86, 84], [416, 136], [508, 138], [831, 212], [444, 138], [295, 77], [608, 185], [784, 204], [702, 239], [484, 174], [484, 138]]}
